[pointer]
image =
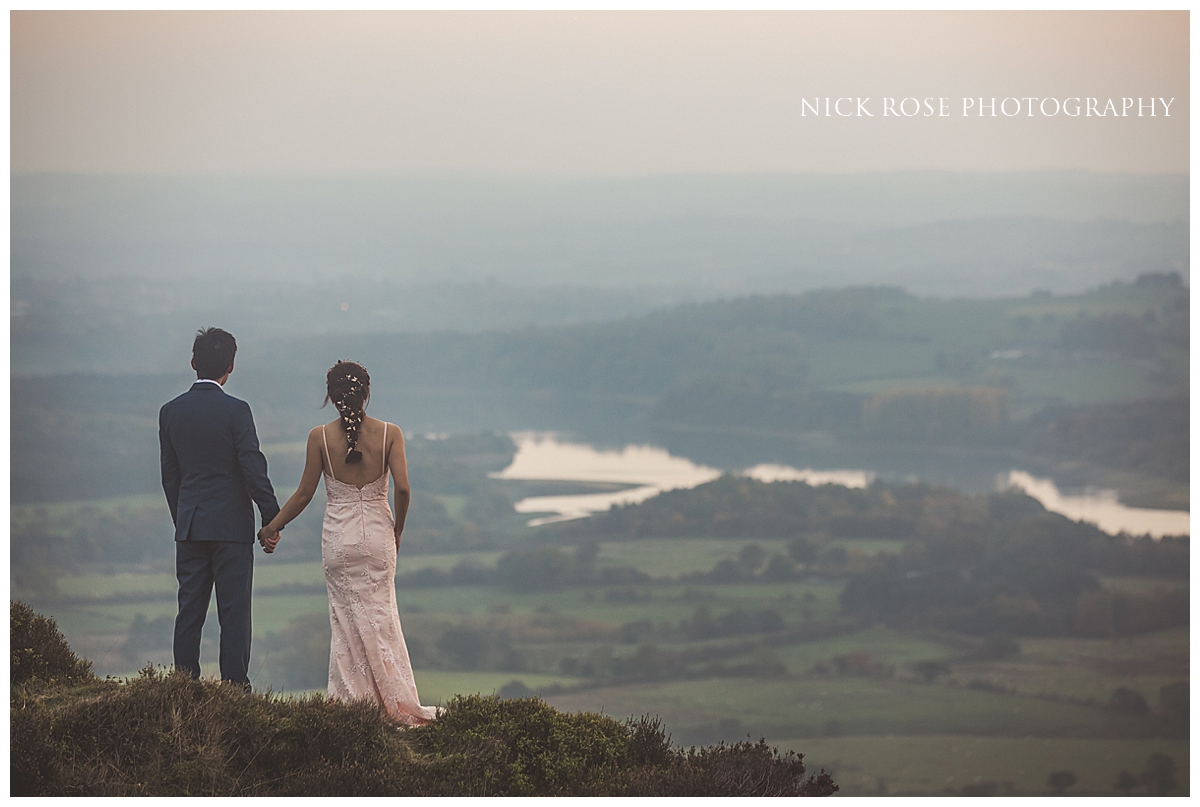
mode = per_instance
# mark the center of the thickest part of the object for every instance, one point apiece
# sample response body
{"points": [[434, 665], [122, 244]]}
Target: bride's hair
{"points": [[348, 385]]}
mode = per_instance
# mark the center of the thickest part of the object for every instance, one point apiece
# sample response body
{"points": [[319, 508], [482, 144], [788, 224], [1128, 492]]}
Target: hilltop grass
{"points": [[164, 734]]}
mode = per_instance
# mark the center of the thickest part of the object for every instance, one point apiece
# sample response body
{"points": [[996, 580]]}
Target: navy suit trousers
{"points": [[230, 566]]}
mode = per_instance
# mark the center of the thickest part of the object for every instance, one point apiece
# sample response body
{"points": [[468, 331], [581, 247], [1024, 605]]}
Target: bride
{"points": [[359, 541]]}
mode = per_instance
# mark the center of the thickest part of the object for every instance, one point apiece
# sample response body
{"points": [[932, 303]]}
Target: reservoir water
{"points": [[650, 470]]}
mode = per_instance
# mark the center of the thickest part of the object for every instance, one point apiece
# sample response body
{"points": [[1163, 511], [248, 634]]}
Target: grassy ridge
{"points": [[168, 735]]}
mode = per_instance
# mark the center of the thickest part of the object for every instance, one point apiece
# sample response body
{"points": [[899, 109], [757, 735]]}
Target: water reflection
{"points": [[1101, 508], [786, 473], [544, 456], [650, 470], [566, 508]]}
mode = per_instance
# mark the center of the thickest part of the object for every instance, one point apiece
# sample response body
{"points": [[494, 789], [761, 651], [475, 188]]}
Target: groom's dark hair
{"points": [[213, 352]]}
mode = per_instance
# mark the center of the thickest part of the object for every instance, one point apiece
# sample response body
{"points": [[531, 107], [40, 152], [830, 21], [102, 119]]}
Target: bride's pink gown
{"points": [[367, 654]]}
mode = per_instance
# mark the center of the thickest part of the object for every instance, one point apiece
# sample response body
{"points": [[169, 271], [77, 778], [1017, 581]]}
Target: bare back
{"points": [[372, 442]]}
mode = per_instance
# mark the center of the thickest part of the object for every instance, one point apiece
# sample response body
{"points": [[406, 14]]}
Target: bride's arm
{"points": [[304, 493], [399, 469]]}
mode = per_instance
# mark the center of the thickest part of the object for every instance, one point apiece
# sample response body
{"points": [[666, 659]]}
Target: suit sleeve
{"points": [[171, 477], [253, 463]]}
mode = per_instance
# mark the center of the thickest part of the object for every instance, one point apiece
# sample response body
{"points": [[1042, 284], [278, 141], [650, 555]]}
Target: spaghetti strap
{"points": [[328, 461], [383, 449]]}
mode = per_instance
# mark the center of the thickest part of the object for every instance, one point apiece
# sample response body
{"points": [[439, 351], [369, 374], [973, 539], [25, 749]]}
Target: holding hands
{"points": [[268, 538]]}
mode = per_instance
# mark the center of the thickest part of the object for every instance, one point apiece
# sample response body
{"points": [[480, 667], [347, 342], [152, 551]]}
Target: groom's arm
{"points": [[171, 477], [253, 463]]}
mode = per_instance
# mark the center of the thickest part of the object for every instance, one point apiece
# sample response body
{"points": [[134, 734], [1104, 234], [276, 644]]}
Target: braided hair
{"points": [[348, 386]]}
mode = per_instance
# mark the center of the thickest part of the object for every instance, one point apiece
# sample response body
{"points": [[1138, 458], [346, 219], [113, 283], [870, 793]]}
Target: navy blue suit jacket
{"points": [[212, 467]]}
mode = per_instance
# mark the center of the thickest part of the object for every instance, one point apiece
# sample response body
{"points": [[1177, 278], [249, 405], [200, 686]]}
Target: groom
{"points": [[211, 469]]}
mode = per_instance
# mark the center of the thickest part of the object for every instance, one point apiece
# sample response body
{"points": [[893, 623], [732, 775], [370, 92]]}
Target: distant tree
{"points": [[1061, 781], [929, 669], [856, 662], [648, 663], [1128, 701], [1112, 333], [1175, 700], [469, 572], [940, 415], [726, 571], [833, 556], [632, 632], [583, 562], [464, 645], [737, 622], [586, 553], [769, 620], [779, 569], [767, 664], [803, 549], [751, 558], [979, 789], [1127, 783], [701, 625], [1159, 776], [514, 689], [999, 646], [542, 568]]}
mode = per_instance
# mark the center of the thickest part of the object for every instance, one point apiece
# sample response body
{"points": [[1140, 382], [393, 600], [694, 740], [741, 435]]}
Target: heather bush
{"points": [[38, 650]]}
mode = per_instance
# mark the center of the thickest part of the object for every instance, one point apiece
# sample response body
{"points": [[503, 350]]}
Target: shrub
{"points": [[38, 650], [166, 734]]}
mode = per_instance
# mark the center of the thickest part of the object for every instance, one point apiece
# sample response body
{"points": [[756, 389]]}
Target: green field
{"points": [[1089, 668], [670, 603], [1059, 381], [663, 558], [819, 706], [885, 646], [933, 764], [850, 360], [23, 514], [673, 557], [1142, 585]]}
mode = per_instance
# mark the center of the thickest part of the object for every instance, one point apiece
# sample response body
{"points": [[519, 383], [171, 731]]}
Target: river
{"points": [[650, 470]]}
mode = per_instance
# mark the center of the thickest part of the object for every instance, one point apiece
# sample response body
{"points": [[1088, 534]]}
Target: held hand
{"points": [[269, 538]]}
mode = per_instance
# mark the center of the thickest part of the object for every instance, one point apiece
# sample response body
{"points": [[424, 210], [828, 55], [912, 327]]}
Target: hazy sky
{"points": [[585, 93]]}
